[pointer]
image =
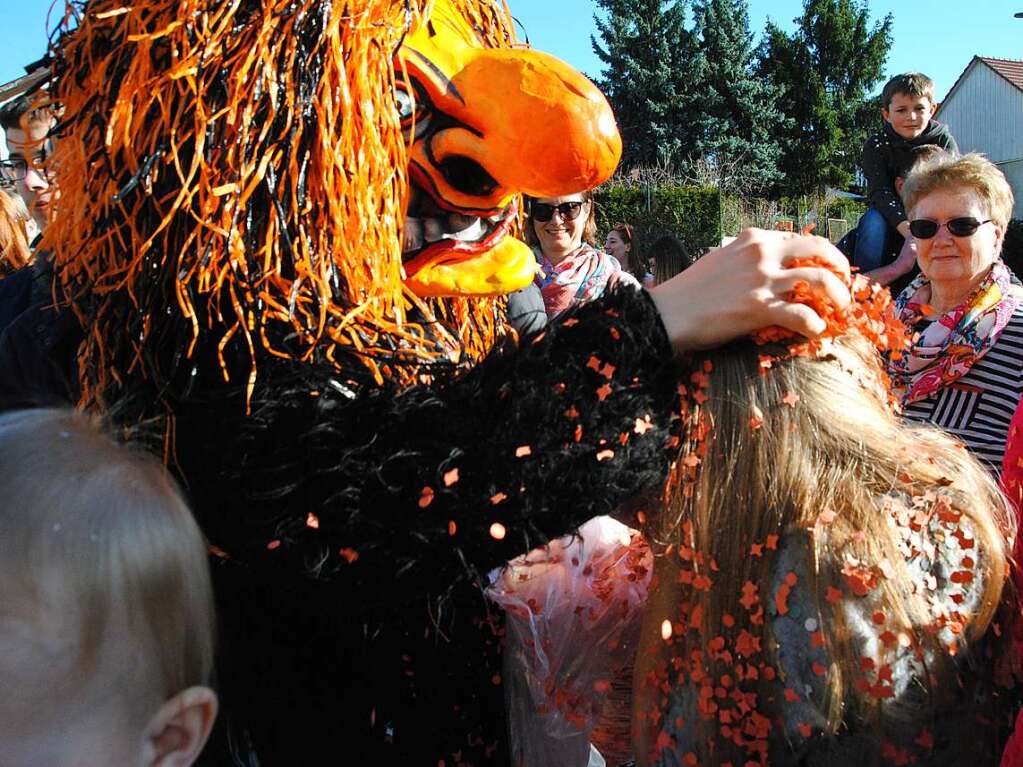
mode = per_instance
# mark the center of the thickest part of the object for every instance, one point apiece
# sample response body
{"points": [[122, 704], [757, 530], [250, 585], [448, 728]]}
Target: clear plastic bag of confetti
{"points": [[573, 611]]}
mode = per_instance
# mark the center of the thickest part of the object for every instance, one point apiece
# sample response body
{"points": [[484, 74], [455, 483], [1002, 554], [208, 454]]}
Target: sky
{"points": [[938, 37]]}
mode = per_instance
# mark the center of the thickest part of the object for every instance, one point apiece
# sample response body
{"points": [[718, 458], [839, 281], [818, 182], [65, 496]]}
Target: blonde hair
{"points": [[950, 173], [781, 447], [908, 84], [100, 531], [14, 251]]}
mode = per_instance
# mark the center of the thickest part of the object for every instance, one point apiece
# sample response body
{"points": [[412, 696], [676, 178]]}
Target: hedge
{"points": [[691, 213]]}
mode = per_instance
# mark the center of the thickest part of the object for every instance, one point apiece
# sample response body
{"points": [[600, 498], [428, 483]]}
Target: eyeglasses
{"points": [[924, 228], [16, 170], [569, 211]]}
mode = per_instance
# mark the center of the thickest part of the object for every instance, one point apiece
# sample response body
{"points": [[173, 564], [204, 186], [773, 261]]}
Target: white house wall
{"points": [[985, 114]]}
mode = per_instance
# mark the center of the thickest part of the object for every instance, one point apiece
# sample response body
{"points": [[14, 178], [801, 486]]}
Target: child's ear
{"points": [[177, 733], [884, 114]]}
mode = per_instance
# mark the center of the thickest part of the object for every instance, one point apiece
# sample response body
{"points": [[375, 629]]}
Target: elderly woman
{"points": [[572, 271], [964, 371]]}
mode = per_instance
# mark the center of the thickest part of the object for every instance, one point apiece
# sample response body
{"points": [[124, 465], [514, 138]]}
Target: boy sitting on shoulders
{"points": [[908, 109]]}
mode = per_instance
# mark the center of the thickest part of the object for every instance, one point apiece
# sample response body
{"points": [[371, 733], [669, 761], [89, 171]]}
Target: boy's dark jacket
{"points": [[887, 155]]}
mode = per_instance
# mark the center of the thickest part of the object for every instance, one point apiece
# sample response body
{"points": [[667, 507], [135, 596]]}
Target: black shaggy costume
{"points": [[356, 475], [389, 654]]}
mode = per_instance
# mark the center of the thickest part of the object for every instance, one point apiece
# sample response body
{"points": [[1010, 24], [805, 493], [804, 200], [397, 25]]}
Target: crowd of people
{"points": [[746, 508]]}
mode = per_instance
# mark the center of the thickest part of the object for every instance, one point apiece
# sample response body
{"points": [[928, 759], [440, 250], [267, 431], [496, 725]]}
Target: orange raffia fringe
{"points": [[239, 169]]}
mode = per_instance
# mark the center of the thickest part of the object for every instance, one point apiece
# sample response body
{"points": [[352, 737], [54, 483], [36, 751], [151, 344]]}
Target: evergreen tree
{"points": [[739, 124], [826, 70], [649, 77]]}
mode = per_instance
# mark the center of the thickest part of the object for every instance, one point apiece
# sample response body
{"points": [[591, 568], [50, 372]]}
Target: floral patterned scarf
{"points": [[582, 276], [946, 346]]}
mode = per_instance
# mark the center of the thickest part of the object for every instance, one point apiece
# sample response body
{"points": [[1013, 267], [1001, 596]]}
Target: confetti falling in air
{"points": [[497, 531], [450, 477], [312, 521], [523, 450]]}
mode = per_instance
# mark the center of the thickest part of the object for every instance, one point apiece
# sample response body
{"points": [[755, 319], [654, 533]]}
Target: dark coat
{"points": [[887, 155]]}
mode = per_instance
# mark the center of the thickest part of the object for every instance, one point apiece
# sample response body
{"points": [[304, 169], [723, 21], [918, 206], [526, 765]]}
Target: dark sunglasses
{"points": [[924, 228], [569, 211]]}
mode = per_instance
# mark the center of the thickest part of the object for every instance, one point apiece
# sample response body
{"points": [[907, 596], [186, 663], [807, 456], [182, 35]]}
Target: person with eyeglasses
{"points": [[572, 271], [27, 124], [964, 369]]}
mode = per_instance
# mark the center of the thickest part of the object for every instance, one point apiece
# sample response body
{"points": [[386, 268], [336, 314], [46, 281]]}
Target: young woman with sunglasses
{"points": [[964, 372], [572, 271]]}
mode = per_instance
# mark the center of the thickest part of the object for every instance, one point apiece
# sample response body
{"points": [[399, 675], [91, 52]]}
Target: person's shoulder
{"points": [[16, 295]]}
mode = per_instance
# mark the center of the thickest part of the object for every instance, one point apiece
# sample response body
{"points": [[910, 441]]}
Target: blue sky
{"points": [[938, 37]]}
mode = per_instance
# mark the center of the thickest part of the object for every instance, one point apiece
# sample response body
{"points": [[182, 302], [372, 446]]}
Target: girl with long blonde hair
{"points": [[831, 581]]}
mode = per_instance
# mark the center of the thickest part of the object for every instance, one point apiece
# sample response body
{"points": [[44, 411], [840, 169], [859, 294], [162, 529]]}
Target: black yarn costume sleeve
{"points": [[432, 483]]}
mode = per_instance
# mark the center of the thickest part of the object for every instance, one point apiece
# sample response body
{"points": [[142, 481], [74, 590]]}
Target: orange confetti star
{"points": [[350, 555], [451, 477], [790, 399], [643, 425], [604, 392], [312, 521]]}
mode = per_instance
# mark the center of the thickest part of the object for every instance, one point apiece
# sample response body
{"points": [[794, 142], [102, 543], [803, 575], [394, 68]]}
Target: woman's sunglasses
{"points": [[569, 211], [924, 228]]}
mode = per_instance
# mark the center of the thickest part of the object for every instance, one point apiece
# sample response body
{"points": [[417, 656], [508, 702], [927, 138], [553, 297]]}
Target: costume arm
{"points": [[421, 483]]}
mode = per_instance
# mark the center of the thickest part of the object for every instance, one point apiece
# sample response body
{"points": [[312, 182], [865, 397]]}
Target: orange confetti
{"points": [[425, 497], [523, 450], [790, 399], [497, 531], [605, 455], [571, 321], [496, 498], [350, 555], [643, 425], [452, 527], [757, 418], [273, 545], [312, 521], [833, 595], [604, 392], [450, 477]]}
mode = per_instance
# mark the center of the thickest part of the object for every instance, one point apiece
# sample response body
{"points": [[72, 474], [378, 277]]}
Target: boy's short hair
{"points": [[910, 84], [97, 535], [30, 107], [971, 172]]}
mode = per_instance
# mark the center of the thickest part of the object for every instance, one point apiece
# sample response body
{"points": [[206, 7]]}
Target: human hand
{"points": [[900, 266], [745, 285]]}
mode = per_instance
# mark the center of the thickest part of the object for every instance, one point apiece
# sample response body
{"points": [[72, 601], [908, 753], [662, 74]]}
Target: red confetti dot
{"points": [[273, 545], [452, 527], [425, 497]]}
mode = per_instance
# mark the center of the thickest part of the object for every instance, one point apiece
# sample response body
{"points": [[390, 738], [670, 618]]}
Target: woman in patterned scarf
{"points": [[964, 371], [572, 271]]}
